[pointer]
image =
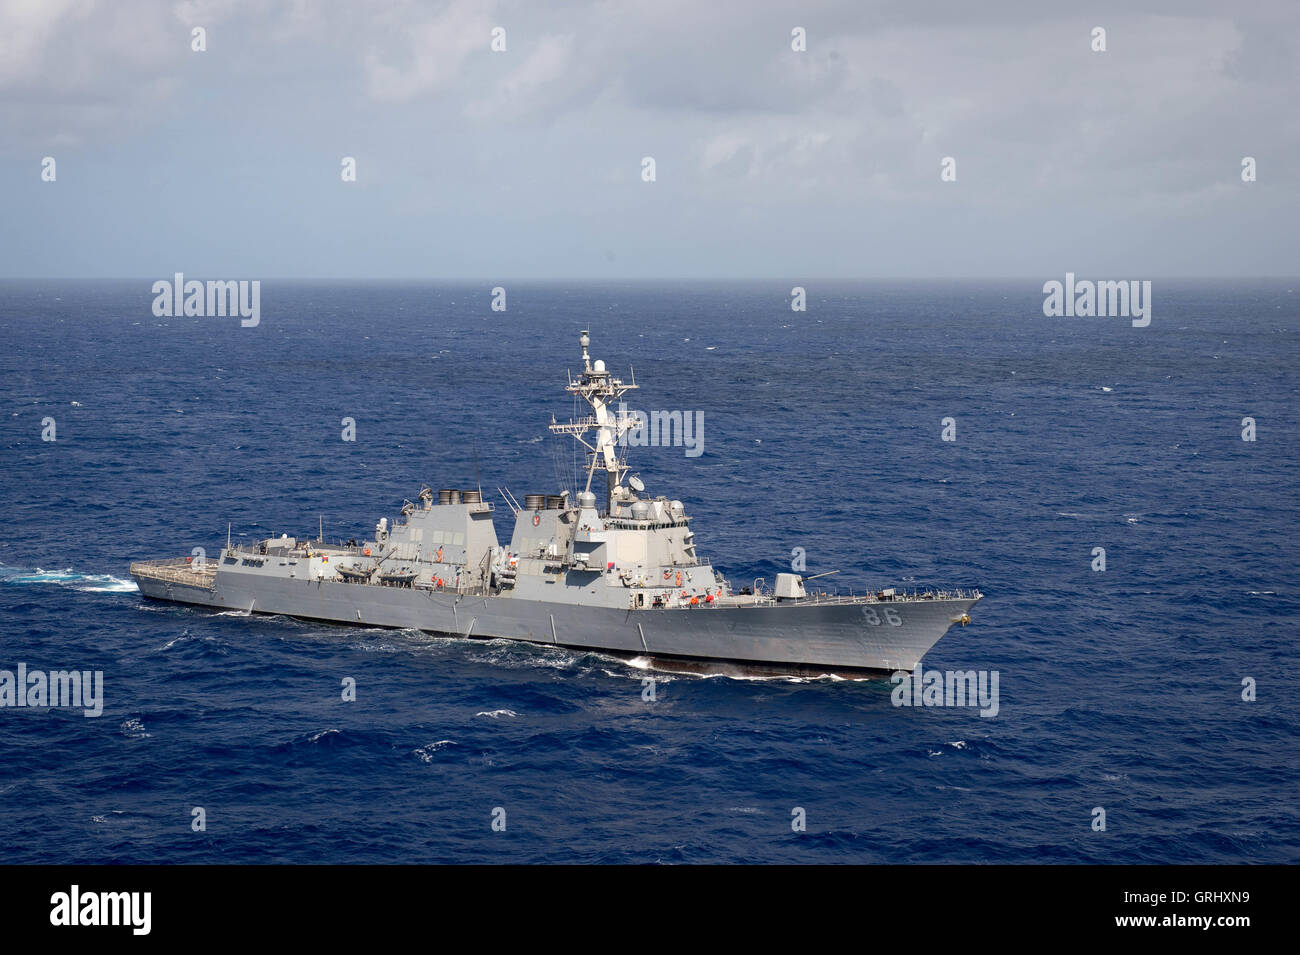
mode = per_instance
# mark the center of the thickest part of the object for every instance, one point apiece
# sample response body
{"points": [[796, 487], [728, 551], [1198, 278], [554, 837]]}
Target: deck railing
{"points": [[769, 600]]}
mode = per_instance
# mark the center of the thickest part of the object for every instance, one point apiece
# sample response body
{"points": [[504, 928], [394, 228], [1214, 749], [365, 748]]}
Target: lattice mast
{"points": [[601, 391]]}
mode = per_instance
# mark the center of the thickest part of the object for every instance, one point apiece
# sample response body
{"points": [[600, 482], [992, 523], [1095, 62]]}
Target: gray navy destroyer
{"points": [[615, 572]]}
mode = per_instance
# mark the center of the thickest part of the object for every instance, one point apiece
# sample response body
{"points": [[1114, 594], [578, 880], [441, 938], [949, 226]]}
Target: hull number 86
{"points": [[891, 616]]}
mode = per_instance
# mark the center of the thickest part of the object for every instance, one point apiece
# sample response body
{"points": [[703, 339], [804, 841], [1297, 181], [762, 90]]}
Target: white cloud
{"points": [[417, 58], [524, 88], [25, 28]]}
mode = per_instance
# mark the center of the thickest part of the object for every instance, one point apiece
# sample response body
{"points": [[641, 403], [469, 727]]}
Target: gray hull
{"points": [[795, 636]]}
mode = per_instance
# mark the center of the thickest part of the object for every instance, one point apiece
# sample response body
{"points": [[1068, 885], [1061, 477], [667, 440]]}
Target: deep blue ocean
{"points": [[1119, 689]]}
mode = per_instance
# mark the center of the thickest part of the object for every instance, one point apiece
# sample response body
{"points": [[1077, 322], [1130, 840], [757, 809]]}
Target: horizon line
{"points": [[625, 278]]}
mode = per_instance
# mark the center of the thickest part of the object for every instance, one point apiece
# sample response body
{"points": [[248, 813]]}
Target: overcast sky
{"points": [[770, 163]]}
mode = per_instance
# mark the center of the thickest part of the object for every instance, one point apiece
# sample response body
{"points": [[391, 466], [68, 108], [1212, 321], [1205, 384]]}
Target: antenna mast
{"points": [[601, 391]]}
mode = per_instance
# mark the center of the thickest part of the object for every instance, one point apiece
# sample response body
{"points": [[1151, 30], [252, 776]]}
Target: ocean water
{"points": [[1119, 690]]}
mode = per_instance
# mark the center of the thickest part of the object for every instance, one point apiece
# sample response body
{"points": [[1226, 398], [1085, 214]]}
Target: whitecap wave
{"points": [[426, 752], [183, 635], [87, 583]]}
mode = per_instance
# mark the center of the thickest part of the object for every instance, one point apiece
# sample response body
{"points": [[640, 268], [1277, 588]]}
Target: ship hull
{"points": [[797, 637]]}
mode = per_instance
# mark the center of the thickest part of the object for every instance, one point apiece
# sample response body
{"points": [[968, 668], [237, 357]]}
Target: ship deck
{"points": [[826, 599], [177, 570]]}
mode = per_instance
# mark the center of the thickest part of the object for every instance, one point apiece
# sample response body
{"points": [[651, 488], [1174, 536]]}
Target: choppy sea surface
{"points": [[1119, 689]]}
